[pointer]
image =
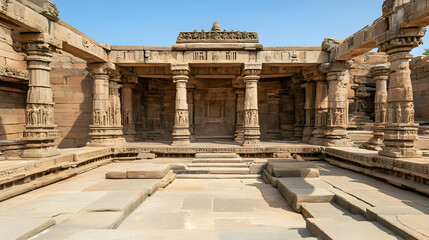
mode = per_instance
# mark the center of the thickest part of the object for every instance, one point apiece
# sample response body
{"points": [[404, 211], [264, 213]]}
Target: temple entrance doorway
{"points": [[214, 108]]}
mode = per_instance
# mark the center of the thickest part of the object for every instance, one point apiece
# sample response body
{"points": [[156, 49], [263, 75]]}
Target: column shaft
{"points": [[106, 128], [336, 134], [127, 111], [381, 75], [181, 132], [310, 92], [251, 131], [40, 131], [239, 116], [321, 112]]}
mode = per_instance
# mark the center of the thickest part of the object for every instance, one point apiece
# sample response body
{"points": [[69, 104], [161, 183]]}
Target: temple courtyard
{"points": [[214, 137]]}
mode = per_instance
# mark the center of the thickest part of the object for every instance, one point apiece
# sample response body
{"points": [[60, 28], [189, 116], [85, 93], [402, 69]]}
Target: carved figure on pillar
{"points": [[106, 130], [251, 122], [40, 132], [381, 75], [400, 132], [181, 131]]}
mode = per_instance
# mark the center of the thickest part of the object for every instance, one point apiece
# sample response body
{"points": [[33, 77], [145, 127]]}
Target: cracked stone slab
{"points": [[23, 228], [409, 226]]}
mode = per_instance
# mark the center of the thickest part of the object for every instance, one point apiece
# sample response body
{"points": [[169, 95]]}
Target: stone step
{"points": [[218, 176], [242, 165], [325, 210], [293, 169], [350, 228], [214, 170], [304, 190], [217, 155], [217, 160]]}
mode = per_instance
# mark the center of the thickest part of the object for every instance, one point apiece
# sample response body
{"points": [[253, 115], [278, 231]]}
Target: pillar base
{"points": [[104, 136], [107, 142], [307, 133], [40, 153], [376, 142], [251, 136], [299, 130], [181, 136], [399, 141], [129, 138]]}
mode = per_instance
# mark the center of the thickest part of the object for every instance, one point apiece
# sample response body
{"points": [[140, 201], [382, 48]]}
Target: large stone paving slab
{"points": [[23, 228]]}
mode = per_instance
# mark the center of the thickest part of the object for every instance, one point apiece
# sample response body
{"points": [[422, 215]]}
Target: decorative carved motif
{"points": [[224, 36], [251, 118], [182, 118], [10, 72], [231, 56], [39, 115], [3, 5]]}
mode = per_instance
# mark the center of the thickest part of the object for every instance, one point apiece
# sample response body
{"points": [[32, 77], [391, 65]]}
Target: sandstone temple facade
{"points": [[68, 101]]}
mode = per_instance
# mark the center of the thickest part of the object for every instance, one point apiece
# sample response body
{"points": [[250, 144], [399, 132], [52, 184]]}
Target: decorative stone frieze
{"points": [[251, 130], [381, 75], [217, 35], [181, 132]]}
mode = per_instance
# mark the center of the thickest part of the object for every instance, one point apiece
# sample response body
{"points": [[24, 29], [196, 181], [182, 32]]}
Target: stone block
{"points": [[23, 228], [304, 190], [149, 171], [348, 228], [119, 201]]}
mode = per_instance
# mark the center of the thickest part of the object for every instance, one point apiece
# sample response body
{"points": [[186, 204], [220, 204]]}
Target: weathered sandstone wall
{"points": [[420, 79], [73, 99]]}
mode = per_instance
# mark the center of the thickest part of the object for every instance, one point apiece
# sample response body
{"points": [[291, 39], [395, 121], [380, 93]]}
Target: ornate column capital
{"points": [[180, 72], [100, 68], [402, 40], [252, 71]]}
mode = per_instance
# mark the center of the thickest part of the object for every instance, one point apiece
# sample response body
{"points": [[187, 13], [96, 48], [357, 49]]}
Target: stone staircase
{"points": [[217, 166]]}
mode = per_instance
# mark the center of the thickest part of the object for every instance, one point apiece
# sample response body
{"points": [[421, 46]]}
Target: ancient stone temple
{"points": [[189, 141]]}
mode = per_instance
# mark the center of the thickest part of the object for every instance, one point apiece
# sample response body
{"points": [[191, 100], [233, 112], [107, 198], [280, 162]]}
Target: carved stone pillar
{"points": [[191, 108], [239, 116], [127, 111], [181, 120], [299, 95], [251, 113], [310, 92], [336, 133], [106, 128], [321, 111], [381, 75], [40, 131], [400, 132]]}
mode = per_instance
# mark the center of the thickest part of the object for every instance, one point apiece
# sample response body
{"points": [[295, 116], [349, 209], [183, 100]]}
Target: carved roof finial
{"points": [[216, 27]]}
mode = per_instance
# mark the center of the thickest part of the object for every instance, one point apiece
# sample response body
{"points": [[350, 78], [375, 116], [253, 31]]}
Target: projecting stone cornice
{"points": [[413, 14], [135, 56], [39, 17]]}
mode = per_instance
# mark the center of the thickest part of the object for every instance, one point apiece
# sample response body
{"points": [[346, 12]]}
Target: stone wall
{"points": [[12, 91], [72, 88], [420, 79]]}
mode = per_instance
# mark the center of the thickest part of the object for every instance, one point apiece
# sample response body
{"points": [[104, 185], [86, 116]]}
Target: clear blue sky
{"points": [[279, 22]]}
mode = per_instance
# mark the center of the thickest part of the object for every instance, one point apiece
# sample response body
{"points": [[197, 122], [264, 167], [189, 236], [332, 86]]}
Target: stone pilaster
{"points": [[191, 110], [299, 96], [181, 132], [321, 110], [127, 111], [400, 132], [381, 75], [337, 120], [239, 115], [251, 131], [106, 128], [310, 92], [40, 131], [287, 118]]}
